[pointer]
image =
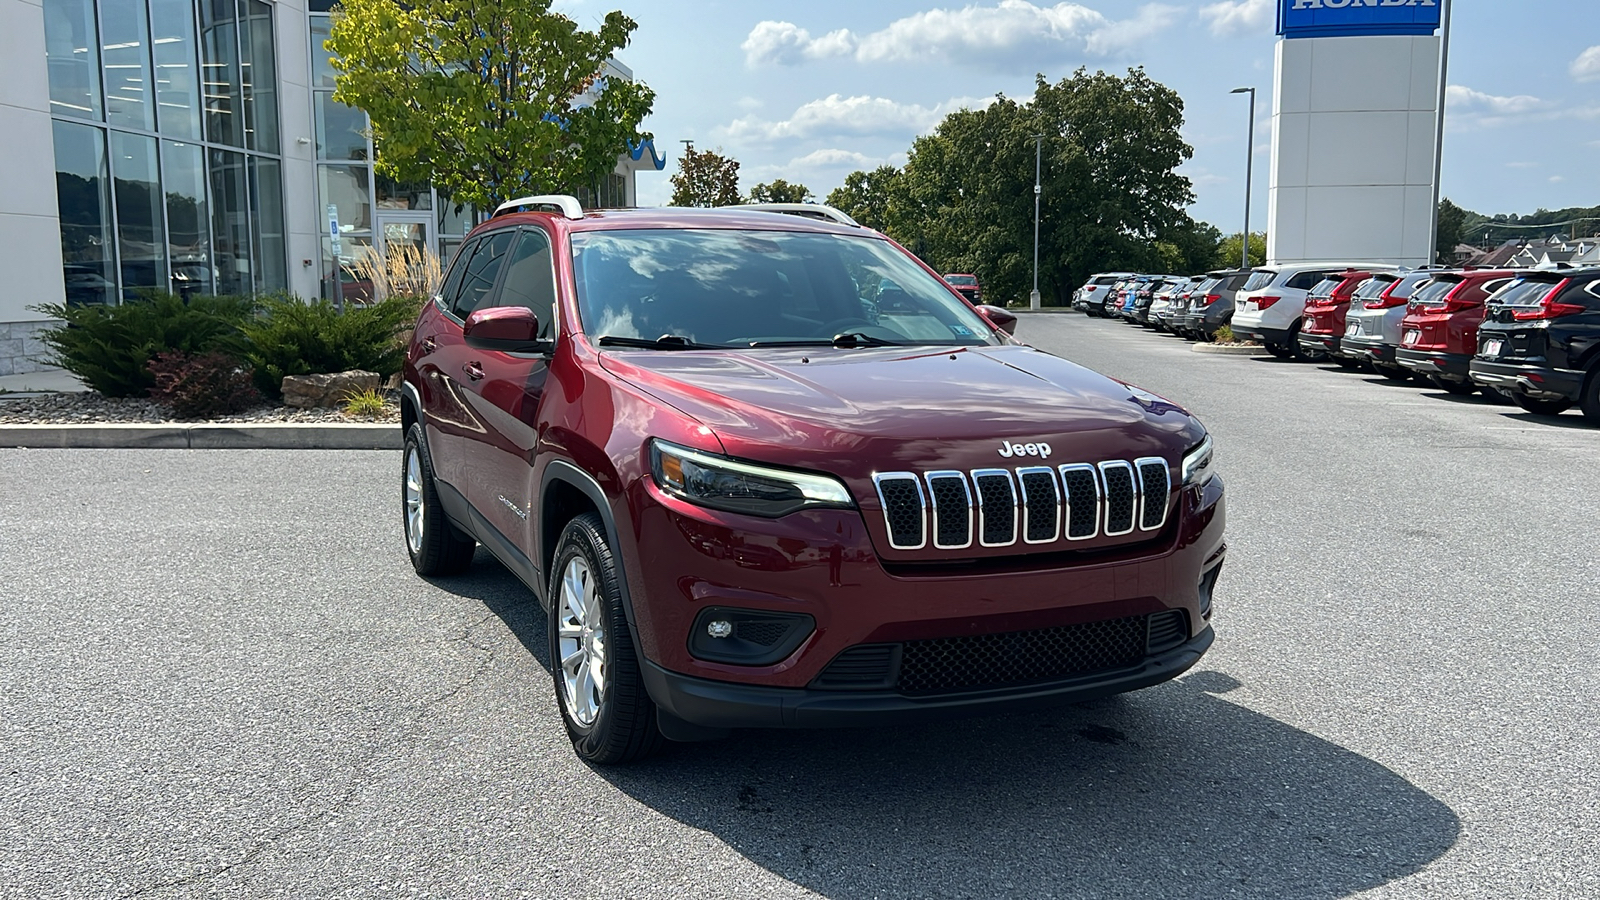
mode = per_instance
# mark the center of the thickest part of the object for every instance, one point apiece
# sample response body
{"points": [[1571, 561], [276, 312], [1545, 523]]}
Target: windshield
{"points": [[962, 280], [1259, 279], [716, 287], [1524, 293]]}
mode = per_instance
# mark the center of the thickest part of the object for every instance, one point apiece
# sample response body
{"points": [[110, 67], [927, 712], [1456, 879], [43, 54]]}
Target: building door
{"points": [[405, 239]]}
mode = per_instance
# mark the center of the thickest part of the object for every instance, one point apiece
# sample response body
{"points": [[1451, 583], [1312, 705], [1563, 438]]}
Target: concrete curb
{"points": [[262, 436], [1052, 310], [1225, 350]]}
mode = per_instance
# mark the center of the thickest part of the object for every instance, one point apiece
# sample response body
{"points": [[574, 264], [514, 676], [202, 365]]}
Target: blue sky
{"points": [[811, 91]]}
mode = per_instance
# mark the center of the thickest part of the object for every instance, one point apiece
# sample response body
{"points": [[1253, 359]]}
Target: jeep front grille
{"points": [[999, 507], [985, 661]]}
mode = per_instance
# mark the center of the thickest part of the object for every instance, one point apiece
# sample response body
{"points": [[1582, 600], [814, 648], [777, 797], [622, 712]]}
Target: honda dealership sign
{"points": [[1353, 18]]}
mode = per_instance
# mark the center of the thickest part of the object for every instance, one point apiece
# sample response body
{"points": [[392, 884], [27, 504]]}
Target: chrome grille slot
{"points": [[952, 510], [904, 509], [997, 507], [1122, 500], [1155, 487], [1041, 501], [1083, 501]]}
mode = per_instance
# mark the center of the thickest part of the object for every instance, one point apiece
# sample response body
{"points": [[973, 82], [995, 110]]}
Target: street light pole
{"points": [[1249, 173], [1038, 152]]}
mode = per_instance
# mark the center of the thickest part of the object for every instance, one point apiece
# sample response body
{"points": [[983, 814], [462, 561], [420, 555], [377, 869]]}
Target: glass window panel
{"points": [[85, 207], [341, 130], [266, 206], [125, 52], [219, 72], [530, 278], [403, 194], [70, 45], [230, 222], [477, 284], [141, 239], [346, 188], [259, 77], [183, 177], [322, 72], [177, 94], [355, 287]]}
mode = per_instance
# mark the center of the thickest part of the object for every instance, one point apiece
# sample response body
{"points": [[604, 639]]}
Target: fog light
{"points": [[720, 628], [748, 637]]}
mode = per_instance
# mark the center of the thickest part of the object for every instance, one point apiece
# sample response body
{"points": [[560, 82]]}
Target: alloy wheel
{"points": [[415, 508], [581, 642]]}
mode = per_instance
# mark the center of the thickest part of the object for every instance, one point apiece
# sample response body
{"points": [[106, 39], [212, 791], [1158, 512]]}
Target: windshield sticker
{"points": [[961, 330]]}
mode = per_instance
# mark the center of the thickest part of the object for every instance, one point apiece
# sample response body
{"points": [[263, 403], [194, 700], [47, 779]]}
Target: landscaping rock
{"points": [[308, 391]]}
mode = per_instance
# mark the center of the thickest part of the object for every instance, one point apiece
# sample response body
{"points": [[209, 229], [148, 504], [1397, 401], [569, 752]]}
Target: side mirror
{"points": [[999, 318], [509, 329]]}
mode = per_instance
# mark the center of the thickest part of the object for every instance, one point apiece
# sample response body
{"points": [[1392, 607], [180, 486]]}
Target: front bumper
{"points": [[1363, 347], [1449, 366], [722, 704], [1537, 381]]}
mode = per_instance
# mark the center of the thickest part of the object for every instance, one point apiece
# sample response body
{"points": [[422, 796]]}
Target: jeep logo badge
{"points": [[1009, 450]]}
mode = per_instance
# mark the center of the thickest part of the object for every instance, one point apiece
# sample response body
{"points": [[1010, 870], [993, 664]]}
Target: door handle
{"points": [[429, 345], [474, 371]]}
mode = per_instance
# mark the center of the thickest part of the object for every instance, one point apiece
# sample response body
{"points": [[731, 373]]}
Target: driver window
{"points": [[530, 280], [481, 273]]}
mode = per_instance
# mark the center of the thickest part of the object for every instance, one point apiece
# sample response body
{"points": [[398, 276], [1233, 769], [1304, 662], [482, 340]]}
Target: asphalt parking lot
{"points": [[218, 677]]}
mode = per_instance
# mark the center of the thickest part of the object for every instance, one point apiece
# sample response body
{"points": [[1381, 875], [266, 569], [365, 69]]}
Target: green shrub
{"points": [[202, 386], [109, 347], [1225, 335], [295, 338], [367, 404]]}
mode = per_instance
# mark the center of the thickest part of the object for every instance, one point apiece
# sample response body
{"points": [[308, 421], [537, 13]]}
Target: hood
{"points": [[853, 412]]}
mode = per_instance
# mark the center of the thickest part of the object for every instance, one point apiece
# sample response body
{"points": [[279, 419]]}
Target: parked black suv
{"points": [[1540, 342]]}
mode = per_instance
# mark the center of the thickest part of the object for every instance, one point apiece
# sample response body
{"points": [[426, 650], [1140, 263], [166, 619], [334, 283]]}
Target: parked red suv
{"points": [[749, 496], [1439, 335], [966, 285], [1326, 307]]}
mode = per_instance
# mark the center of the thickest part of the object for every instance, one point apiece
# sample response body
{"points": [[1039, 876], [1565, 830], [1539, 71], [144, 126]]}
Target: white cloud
{"points": [[999, 34], [1471, 101], [1587, 66], [838, 116], [1235, 17], [834, 158], [1522, 165]]}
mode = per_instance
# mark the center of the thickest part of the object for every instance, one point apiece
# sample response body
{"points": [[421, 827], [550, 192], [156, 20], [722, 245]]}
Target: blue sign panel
{"points": [[1352, 18]]}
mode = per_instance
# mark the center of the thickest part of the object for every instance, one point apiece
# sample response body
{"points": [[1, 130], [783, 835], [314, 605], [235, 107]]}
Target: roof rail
{"points": [[569, 205], [808, 210]]}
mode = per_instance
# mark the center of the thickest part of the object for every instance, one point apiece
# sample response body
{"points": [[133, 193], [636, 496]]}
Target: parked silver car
{"points": [[1372, 325], [1211, 304]]}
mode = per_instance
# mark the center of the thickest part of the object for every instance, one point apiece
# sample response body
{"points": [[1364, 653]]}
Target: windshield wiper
{"points": [[665, 342], [848, 339]]}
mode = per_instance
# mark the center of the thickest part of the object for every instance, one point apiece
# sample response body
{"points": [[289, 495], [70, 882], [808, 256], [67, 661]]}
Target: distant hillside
{"points": [[1485, 231]]}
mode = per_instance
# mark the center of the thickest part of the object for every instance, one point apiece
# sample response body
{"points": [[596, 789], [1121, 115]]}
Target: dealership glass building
{"points": [[192, 146]]}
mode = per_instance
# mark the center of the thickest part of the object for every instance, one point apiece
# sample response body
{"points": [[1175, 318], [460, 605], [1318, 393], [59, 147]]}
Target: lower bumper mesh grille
{"points": [[976, 662]]}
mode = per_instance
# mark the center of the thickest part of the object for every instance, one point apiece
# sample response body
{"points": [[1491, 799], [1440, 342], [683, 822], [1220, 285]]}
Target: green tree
{"points": [[1227, 255], [1451, 220], [1111, 192], [489, 101], [706, 178], [780, 191], [867, 196]]}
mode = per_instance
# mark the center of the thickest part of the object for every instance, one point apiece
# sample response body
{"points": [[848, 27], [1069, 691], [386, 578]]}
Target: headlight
{"points": [[721, 483], [1197, 464]]}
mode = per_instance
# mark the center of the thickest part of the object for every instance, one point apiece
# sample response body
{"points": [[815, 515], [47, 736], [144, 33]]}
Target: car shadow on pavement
{"points": [[1171, 791]]}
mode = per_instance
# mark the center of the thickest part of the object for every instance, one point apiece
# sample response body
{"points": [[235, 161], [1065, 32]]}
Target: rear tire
{"points": [[1393, 373], [608, 713], [1349, 365], [1590, 398], [434, 544], [1279, 350], [1299, 352], [1541, 407]]}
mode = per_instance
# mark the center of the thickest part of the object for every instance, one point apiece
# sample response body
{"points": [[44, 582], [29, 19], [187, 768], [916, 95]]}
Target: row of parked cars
{"points": [[1530, 335]]}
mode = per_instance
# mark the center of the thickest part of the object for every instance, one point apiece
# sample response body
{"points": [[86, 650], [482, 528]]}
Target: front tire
{"points": [[1541, 407], [435, 546], [609, 715]]}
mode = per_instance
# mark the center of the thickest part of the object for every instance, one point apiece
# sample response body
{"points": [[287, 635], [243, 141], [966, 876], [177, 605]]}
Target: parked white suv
{"points": [[1270, 305]]}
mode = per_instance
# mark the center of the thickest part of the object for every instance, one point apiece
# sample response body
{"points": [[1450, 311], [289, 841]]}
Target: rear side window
{"points": [[481, 273], [1259, 279], [1308, 280], [530, 278], [452, 278]]}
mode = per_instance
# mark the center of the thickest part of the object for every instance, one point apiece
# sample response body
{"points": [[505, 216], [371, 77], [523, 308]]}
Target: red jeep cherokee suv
{"points": [[749, 496]]}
